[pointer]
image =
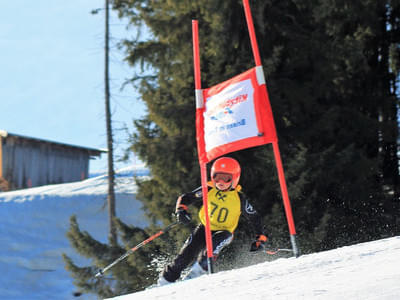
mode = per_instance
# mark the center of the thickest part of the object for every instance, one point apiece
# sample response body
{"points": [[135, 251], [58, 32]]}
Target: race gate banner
{"points": [[236, 115]]}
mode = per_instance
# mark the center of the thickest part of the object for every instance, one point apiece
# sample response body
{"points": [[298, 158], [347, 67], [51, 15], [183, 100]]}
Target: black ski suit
{"points": [[220, 211]]}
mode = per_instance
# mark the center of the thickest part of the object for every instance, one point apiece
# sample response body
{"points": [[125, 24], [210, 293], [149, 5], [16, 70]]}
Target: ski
{"points": [[276, 251]]}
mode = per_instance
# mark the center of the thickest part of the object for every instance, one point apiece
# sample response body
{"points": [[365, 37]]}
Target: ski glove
{"points": [[258, 244], [183, 217]]}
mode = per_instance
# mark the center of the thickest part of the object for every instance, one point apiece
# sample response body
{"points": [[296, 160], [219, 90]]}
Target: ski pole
{"points": [[276, 251], [130, 251]]}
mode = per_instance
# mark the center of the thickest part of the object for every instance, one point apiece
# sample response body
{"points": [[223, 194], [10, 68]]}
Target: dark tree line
{"points": [[331, 67]]}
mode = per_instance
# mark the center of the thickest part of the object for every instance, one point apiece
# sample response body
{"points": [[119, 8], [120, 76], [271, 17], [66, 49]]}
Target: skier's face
{"points": [[222, 181]]}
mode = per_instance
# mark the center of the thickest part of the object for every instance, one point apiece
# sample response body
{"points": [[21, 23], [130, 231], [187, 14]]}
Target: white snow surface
{"points": [[367, 271], [32, 236], [33, 230]]}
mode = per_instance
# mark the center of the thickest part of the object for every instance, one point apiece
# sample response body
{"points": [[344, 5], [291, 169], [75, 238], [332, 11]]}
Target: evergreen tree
{"points": [[332, 93], [137, 271], [358, 129], [331, 68]]}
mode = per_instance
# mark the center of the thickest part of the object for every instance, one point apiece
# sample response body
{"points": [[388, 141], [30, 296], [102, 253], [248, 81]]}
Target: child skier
{"points": [[226, 204]]}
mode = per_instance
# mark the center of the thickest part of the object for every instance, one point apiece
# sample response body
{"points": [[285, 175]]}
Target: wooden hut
{"points": [[28, 162]]}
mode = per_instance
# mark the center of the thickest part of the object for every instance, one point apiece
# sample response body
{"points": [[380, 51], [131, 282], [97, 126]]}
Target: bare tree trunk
{"points": [[111, 175]]}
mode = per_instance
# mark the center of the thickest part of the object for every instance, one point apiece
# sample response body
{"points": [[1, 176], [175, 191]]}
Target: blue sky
{"points": [[52, 74]]}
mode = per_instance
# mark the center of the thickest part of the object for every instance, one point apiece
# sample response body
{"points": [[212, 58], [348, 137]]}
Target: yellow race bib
{"points": [[223, 210]]}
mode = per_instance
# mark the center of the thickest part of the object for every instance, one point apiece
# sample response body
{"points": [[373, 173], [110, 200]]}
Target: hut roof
{"points": [[92, 151]]}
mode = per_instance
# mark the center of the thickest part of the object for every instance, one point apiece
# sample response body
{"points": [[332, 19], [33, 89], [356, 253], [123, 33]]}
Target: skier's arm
{"points": [[251, 215], [186, 199], [181, 209], [255, 220]]}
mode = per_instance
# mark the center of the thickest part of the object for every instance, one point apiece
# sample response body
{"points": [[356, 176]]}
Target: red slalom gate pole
{"points": [[196, 55], [286, 201], [252, 33], [281, 176], [203, 165]]}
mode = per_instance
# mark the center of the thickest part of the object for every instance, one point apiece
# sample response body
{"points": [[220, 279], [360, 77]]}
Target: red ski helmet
{"points": [[226, 165]]}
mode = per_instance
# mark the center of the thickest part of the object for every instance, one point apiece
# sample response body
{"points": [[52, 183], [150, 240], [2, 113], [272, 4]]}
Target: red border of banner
{"points": [[263, 112]]}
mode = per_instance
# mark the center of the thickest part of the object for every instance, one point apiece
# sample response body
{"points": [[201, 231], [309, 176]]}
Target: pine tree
{"points": [[136, 272], [327, 74], [331, 70], [361, 131]]}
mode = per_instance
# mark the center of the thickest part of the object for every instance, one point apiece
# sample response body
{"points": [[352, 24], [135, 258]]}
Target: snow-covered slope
{"points": [[33, 224], [32, 237], [365, 271]]}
